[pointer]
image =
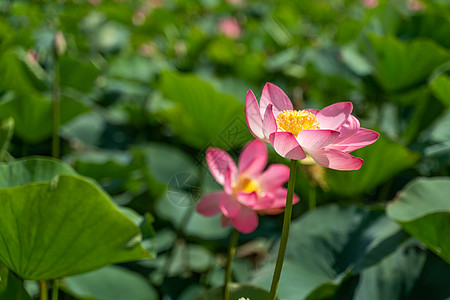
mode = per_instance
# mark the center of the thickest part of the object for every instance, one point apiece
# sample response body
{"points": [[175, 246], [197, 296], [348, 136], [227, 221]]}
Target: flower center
{"points": [[295, 121], [247, 185]]}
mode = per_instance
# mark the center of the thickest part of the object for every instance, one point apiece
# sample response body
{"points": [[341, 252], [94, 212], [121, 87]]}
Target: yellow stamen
{"points": [[247, 185], [295, 121]]}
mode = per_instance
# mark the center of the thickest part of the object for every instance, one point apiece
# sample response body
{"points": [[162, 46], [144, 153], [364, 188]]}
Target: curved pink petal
{"points": [[263, 202], [229, 206], [350, 126], [335, 159], [209, 204], [272, 94], [286, 145], [253, 158], [316, 139], [313, 111], [280, 198], [273, 178], [228, 184], [269, 122], [334, 115], [247, 199], [361, 138], [277, 202], [246, 221], [225, 221], [219, 162], [253, 116]]}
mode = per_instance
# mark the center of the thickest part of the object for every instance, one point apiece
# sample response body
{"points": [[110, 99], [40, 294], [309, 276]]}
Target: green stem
{"points": [[231, 251], [55, 289], [56, 111], [285, 231], [44, 292]]}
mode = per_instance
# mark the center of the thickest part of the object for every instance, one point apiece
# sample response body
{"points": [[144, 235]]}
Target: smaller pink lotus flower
{"points": [[415, 5], [327, 135], [235, 1], [230, 27], [248, 189], [370, 3]]}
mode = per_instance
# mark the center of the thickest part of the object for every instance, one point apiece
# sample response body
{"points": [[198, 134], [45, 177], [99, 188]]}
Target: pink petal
{"points": [[280, 198], [269, 122], [264, 202], [246, 221], [253, 116], [272, 94], [335, 159], [286, 145], [209, 204], [277, 202], [247, 199], [229, 206], [225, 221], [313, 111], [361, 138], [350, 126], [219, 162], [227, 185], [334, 115], [273, 178], [253, 158], [316, 139]]}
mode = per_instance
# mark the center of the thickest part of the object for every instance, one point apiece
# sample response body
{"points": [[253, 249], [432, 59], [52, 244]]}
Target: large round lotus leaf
{"points": [[111, 283], [66, 226], [29, 170], [237, 291], [423, 210], [326, 246]]}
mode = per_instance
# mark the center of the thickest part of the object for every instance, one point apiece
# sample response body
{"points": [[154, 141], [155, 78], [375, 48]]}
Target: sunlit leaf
{"points": [[59, 223], [440, 87], [202, 116], [78, 74], [400, 64], [423, 209]]}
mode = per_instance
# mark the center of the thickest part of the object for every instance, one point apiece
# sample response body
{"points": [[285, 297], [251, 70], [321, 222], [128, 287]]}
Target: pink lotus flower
{"points": [[327, 135], [415, 5], [370, 3], [248, 190], [230, 27]]}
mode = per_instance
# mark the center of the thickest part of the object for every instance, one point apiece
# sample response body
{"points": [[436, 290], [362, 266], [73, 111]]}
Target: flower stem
{"points": [[55, 289], [44, 292], [285, 231], [56, 111], [231, 251]]}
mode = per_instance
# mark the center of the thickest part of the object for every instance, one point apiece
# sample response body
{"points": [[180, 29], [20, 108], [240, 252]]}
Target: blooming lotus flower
{"points": [[327, 135], [230, 27], [248, 189], [370, 3]]}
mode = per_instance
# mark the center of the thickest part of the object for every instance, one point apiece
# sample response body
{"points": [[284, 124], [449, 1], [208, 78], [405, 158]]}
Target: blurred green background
{"points": [[147, 85]]}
